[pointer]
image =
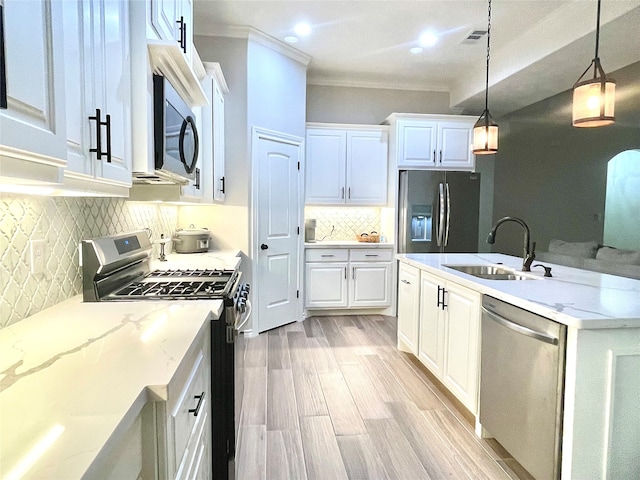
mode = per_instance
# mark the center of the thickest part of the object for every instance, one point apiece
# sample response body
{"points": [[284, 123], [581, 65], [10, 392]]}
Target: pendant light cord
{"points": [[486, 89], [598, 30]]}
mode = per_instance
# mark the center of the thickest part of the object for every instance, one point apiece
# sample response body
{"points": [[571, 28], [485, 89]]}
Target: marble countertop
{"points": [[577, 298], [347, 243], [85, 370]]}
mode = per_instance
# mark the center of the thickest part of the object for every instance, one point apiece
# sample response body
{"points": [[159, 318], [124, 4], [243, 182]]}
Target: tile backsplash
{"points": [[346, 222], [62, 222]]}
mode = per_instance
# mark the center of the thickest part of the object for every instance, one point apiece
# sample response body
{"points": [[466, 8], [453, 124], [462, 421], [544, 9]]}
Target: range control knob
{"points": [[241, 306]]}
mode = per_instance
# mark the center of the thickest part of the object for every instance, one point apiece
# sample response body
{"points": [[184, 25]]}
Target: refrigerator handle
{"points": [[441, 214], [446, 233]]}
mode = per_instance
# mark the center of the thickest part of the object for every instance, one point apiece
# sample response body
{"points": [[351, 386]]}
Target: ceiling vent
{"points": [[474, 36]]}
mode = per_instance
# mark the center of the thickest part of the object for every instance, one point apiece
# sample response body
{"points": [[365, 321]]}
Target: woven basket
{"points": [[372, 237]]}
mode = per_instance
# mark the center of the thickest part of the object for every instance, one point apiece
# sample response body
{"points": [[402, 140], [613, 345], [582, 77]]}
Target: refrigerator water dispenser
{"points": [[421, 223]]}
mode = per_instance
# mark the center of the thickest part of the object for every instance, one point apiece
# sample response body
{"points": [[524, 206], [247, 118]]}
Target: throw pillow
{"points": [[618, 255], [574, 249]]}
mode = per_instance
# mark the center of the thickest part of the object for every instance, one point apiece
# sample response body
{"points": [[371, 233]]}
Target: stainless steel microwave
{"points": [[175, 133]]}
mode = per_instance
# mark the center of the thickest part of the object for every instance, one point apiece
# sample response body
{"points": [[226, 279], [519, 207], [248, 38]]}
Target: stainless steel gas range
{"points": [[117, 268]]}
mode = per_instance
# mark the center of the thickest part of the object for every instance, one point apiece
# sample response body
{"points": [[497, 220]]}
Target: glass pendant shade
{"points": [[485, 135], [594, 103]]}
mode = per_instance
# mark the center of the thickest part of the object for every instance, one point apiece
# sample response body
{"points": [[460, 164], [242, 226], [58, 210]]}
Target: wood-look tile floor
{"points": [[332, 398]]}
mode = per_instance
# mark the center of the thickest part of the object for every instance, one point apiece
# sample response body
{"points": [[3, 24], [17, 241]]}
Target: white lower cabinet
{"points": [[408, 308], [184, 420], [449, 336], [326, 285], [348, 277]]}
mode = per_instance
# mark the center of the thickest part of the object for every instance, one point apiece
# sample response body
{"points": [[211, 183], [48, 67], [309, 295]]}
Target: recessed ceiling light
{"points": [[302, 29], [428, 39], [291, 39], [416, 50]]}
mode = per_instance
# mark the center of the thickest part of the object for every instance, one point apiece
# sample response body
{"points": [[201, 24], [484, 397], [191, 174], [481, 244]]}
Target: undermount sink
{"points": [[491, 272]]}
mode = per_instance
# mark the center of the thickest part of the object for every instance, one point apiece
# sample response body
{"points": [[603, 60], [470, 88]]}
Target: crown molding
{"points": [[261, 38], [340, 80]]}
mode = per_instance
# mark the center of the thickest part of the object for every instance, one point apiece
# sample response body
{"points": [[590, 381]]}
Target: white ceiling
{"points": [[538, 47]]}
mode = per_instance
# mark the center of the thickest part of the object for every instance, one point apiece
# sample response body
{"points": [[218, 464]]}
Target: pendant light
{"points": [[485, 131], [594, 99]]}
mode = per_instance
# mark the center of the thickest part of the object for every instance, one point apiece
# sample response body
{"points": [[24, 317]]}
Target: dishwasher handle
{"points": [[520, 329]]}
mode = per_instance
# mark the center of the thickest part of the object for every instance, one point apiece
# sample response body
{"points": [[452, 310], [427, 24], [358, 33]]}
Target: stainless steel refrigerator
{"points": [[438, 211]]}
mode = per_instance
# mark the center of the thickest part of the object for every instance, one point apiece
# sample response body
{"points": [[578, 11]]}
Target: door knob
{"points": [[264, 246]]}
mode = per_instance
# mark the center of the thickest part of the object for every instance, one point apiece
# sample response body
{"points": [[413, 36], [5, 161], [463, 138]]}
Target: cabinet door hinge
{"points": [[297, 293]]}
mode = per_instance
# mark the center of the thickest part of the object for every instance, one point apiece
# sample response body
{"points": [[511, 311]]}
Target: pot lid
{"points": [[191, 231]]}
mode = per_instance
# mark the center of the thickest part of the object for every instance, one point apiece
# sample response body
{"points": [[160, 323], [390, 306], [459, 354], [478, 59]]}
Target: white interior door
{"points": [[277, 212]]}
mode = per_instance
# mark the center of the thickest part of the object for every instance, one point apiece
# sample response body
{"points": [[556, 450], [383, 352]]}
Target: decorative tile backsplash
{"points": [[348, 221], [62, 222]]}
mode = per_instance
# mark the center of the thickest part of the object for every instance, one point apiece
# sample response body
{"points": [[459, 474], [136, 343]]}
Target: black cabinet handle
{"points": [[108, 125], [441, 302], [183, 34], [196, 410], [440, 156], [434, 156], [221, 184], [264, 246], [3, 65], [197, 184], [98, 149], [184, 38], [99, 124]]}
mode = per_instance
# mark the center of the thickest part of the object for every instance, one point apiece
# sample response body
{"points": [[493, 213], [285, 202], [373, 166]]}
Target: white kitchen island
{"points": [[601, 421]]}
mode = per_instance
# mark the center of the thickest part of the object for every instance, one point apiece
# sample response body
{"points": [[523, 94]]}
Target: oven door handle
{"points": [[246, 315]]}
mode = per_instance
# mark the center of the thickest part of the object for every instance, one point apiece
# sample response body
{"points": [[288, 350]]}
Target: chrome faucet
{"points": [[529, 249]]}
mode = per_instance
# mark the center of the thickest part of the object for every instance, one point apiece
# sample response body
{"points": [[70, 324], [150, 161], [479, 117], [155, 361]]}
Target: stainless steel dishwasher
{"points": [[521, 385]]}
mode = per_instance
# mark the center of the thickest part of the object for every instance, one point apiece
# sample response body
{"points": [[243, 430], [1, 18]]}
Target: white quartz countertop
{"points": [[347, 243], [86, 370], [218, 259], [577, 298]]}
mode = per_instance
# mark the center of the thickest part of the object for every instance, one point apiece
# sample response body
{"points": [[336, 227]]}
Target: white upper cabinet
{"points": [[98, 115], [216, 88], [432, 142], [346, 165], [33, 147], [172, 20], [325, 166]]}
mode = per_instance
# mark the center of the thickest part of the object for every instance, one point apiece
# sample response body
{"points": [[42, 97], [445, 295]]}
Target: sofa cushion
{"points": [[559, 259], [618, 255], [574, 249], [612, 268]]}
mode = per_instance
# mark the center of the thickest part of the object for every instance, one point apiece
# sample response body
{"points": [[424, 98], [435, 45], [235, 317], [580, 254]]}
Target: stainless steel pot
{"points": [[191, 240]]}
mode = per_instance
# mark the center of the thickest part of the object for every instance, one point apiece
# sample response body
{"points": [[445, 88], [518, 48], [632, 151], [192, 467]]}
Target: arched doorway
{"points": [[622, 205]]}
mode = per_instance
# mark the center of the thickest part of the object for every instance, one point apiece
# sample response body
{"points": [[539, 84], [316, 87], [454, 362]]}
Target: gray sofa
{"points": [[592, 256]]}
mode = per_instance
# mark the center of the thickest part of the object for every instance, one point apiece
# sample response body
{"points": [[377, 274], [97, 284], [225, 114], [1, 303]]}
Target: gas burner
{"points": [[175, 289], [190, 273]]}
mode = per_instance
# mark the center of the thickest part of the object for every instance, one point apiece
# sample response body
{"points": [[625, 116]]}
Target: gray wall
{"points": [[369, 106], [554, 175]]}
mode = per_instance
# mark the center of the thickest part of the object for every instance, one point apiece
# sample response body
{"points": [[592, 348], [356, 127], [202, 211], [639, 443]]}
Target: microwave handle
{"points": [[189, 121]]}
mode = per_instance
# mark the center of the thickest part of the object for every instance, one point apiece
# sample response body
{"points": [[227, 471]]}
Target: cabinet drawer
{"points": [[195, 454], [192, 397], [370, 254], [327, 255]]}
